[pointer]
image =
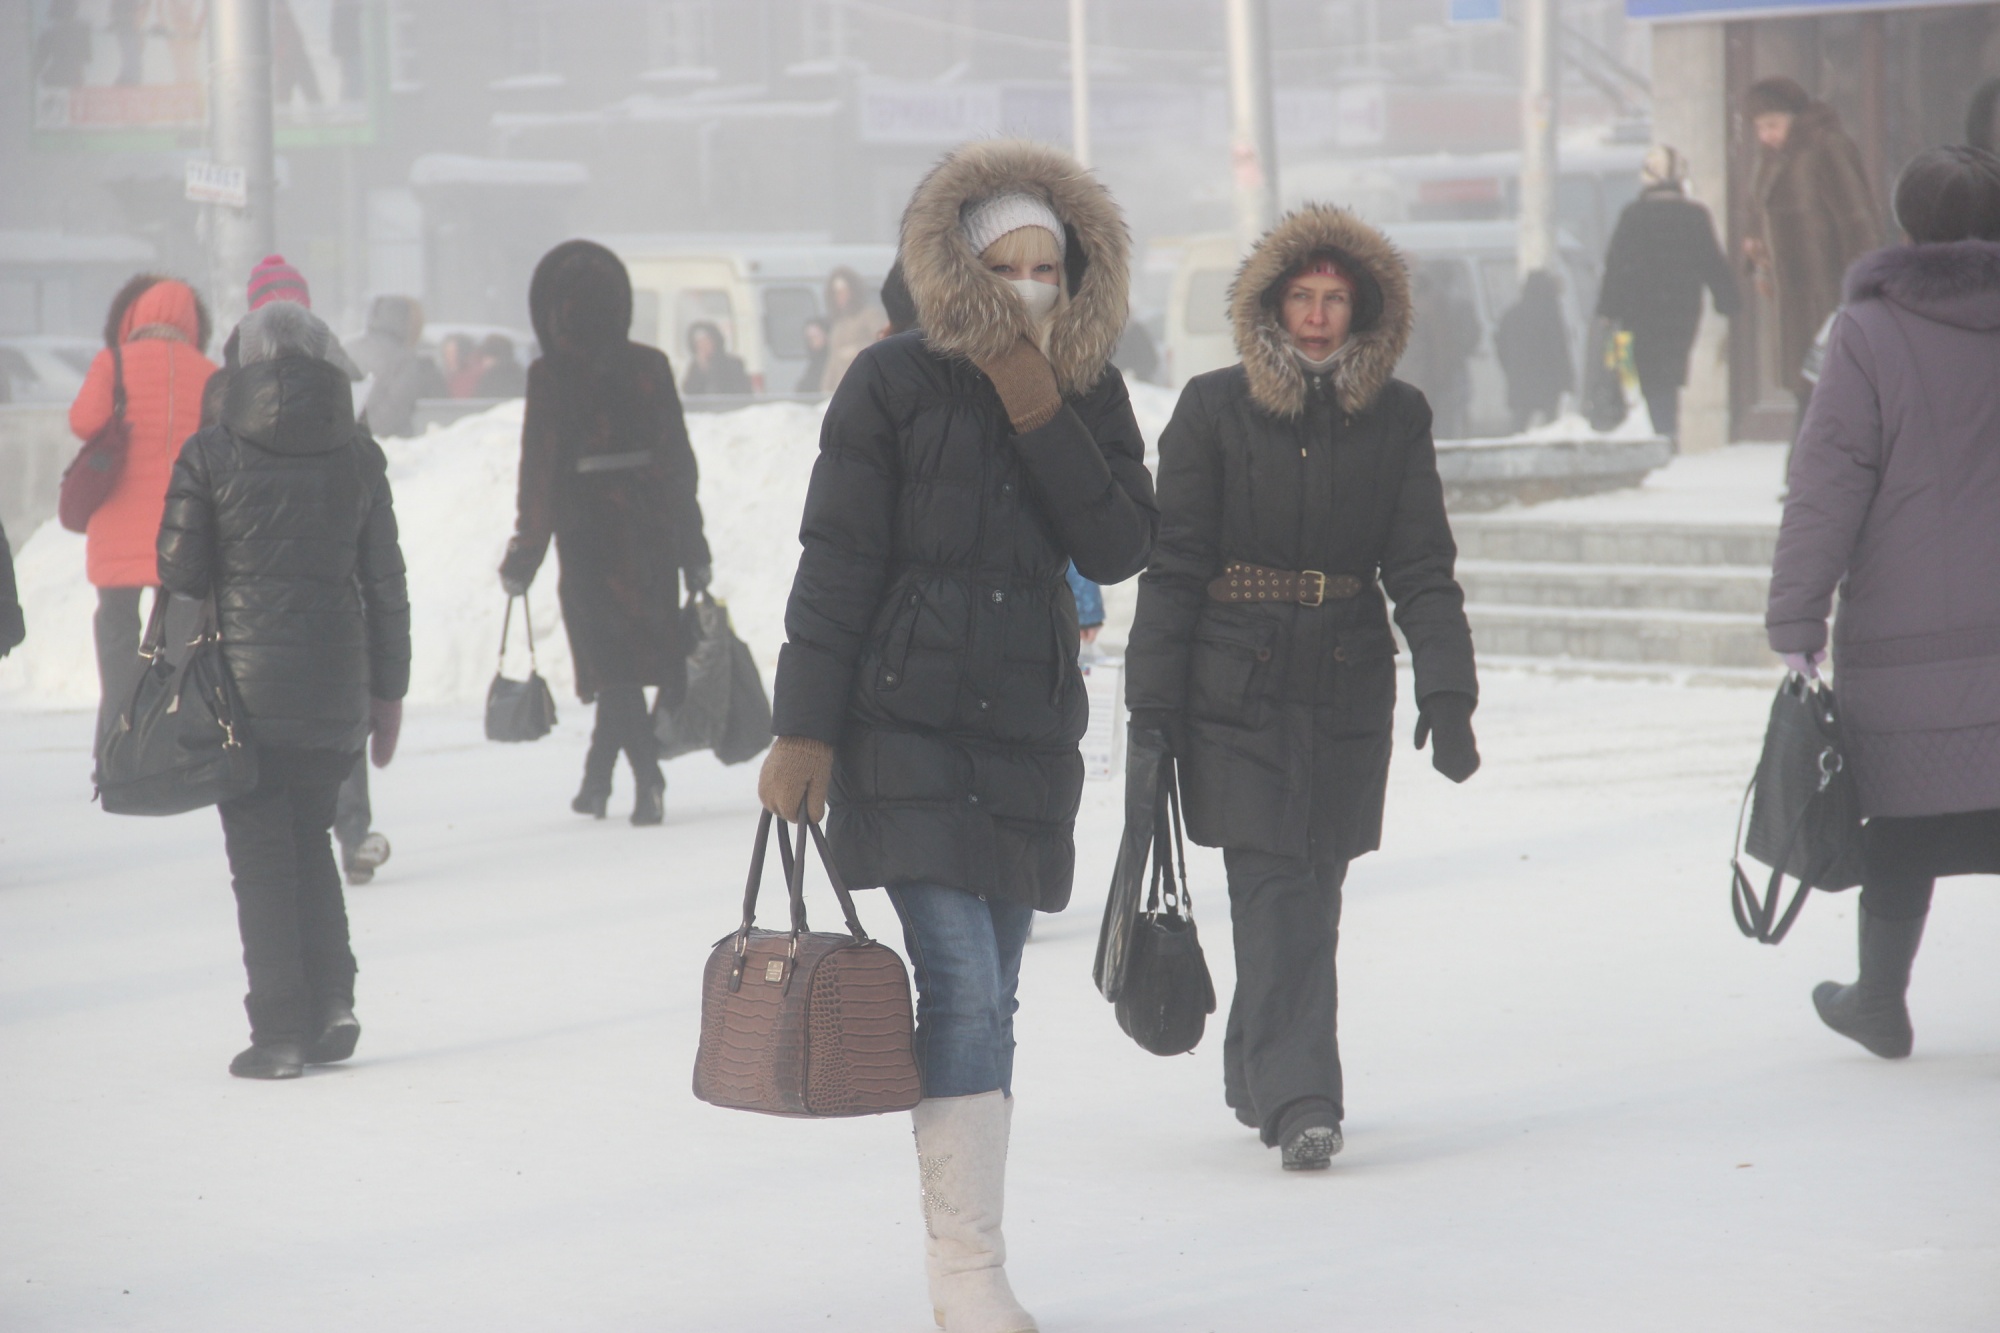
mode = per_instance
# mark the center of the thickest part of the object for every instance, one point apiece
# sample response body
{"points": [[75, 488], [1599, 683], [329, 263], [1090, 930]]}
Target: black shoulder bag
{"points": [[518, 710], [1167, 993], [1803, 810], [181, 743]]}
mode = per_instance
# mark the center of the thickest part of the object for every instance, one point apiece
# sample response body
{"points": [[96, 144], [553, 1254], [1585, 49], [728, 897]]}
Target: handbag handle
{"points": [[1169, 858], [794, 861], [1761, 920], [527, 623], [117, 382]]}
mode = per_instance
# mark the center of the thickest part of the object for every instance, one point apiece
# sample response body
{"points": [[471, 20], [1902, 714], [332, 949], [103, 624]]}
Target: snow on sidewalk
{"points": [[1577, 1099]]}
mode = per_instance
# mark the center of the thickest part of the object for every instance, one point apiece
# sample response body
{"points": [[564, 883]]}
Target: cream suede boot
{"points": [[962, 1162]]}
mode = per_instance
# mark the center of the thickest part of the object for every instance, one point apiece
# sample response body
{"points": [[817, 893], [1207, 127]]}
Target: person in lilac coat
{"points": [[1894, 501]]}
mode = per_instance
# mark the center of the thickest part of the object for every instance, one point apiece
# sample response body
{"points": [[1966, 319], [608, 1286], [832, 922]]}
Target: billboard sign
{"points": [[1716, 11], [134, 73]]}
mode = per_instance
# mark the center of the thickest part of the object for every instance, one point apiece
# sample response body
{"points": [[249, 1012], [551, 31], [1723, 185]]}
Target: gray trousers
{"points": [[352, 815], [118, 627], [1282, 1043]]}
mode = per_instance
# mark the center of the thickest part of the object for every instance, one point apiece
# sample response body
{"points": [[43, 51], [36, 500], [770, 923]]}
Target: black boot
{"points": [[595, 794], [1873, 1010], [1308, 1135], [269, 1059], [338, 1034], [642, 750], [649, 804]]}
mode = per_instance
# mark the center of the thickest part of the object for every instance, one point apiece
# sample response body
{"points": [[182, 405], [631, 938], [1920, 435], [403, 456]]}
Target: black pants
{"points": [[289, 907], [1905, 857], [1663, 404], [1282, 1043], [353, 814], [624, 724], [117, 627]]}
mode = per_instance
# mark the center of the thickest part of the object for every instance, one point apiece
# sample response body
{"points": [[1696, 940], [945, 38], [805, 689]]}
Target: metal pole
{"points": [[1253, 151], [240, 117], [1079, 82], [1538, 136]]}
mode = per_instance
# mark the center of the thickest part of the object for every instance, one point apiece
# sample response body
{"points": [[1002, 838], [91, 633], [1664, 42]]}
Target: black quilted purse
{"points": [[181, 743], [518, 710], [1803, 809]]}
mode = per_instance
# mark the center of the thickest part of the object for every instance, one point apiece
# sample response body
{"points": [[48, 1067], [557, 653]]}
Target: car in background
{"points": [[1480, 256], [44, 368]]}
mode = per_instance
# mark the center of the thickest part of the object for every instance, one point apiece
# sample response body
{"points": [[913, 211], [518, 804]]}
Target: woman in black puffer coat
{"points": [[607, 473], [931, 669], [1276, 686], [282, 513]]}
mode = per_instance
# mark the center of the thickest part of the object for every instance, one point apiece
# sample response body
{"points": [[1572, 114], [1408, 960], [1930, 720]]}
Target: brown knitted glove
{"points": [[1027, 386], [796, 768]]}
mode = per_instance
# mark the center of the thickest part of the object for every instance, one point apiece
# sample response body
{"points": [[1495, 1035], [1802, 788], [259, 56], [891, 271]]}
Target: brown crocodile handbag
{"points": [[800, 1023]]}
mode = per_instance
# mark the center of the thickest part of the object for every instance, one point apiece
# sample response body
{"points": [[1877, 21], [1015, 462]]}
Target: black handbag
{"points": [[518, 710], [1803, 812], [725, 708], [1165, 994], [181, 743]]}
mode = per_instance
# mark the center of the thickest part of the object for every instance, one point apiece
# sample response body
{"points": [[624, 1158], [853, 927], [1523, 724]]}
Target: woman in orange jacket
{"points": [[161, 330]]}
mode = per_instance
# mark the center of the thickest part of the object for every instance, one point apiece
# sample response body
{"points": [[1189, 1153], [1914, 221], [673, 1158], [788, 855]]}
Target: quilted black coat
{"points": [[283, 511], [1286, 708], [932, 636]]}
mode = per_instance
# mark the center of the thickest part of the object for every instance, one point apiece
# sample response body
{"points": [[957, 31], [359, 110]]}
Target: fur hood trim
{"points": [[1954, 282], [967, 311], [1277, 382]]}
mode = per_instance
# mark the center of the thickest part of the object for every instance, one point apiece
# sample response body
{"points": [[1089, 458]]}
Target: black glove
{"points": [[1449, 714], [1168, 722], [696, 577], [512, 587], [515, 575]]}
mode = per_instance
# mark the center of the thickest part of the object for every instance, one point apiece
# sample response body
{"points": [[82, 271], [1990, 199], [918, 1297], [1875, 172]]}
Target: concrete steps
{"points": [[1648, 596]]}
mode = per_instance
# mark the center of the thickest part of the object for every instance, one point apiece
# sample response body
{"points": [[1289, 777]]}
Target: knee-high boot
{"points": [[1874, 1010], [962, 1162]]}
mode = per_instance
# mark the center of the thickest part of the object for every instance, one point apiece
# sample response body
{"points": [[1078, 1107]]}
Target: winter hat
{"points": [[1663, 166], [275, 280], [1777, 93], [985, 221]]}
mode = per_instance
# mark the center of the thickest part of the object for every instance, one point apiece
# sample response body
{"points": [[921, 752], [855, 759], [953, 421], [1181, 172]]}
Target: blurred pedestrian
{"points": [[607, 473], [463, 365], [1089, 599], [1532, 342], [1894, 502], [1812, 213], [504, 376], [852, 321], [959, 474], [282, 513], [1444, 335], [1662, 254], [13, 625], [711, 368], [398, 374], [160, 328], [1296, 488], [1137, 357], [897, 303], [814, 333]]}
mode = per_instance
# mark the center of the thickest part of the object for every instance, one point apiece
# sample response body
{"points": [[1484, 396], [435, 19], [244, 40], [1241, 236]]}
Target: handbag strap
{"points": [[794, 864], [528, 624], [117, 382], [1169, 849], [1761, 920]]}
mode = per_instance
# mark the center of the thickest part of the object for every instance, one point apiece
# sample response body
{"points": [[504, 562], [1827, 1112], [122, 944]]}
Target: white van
{"points": [[1482, 254], [759, 291]]}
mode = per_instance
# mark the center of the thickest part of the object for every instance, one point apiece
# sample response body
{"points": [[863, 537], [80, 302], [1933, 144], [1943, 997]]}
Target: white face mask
{"points": [[1039, 297], [1318, 367]]}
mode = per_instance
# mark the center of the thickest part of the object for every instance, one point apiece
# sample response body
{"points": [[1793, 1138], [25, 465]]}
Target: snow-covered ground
{"points": [[1578, 1100]]}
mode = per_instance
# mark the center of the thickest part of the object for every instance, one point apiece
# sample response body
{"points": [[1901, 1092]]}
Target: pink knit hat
{"points": [[275, 280]]}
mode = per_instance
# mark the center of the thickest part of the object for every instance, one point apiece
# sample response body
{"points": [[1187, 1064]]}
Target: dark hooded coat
{"points": [[1662, 254], [608, 473], [1532, 343], [283, 512], [1813, 207], [1286, 708], [1894, 500], [932, 637]]}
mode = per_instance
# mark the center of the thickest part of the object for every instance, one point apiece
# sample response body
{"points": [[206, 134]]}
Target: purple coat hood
{"points": [[1894, 501]]}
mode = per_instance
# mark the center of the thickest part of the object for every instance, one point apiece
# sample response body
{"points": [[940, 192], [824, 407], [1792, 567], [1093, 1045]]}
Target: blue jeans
{"points": [[966, 953]]}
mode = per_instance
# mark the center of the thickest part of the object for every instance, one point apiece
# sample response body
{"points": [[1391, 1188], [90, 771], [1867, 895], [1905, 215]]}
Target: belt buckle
{"points": [[1318, 594]]}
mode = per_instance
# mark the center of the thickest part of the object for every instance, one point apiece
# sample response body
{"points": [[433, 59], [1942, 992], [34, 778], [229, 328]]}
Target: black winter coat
{"points": [[1662, 254], [283, 512], [1286, 709], [932, 633]]}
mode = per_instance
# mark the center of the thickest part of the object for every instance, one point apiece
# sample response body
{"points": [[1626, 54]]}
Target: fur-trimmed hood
{"points": [[1369, 356], [1953, 282], [967, 311]]}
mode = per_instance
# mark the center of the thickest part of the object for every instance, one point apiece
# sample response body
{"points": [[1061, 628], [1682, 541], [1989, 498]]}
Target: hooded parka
{"points": [[283, 512], [1286, 707], [608, 473], [932, 636]]}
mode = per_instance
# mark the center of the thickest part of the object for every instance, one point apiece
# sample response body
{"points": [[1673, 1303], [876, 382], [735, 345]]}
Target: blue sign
{"points": [[1475, 11], [1719, 10]]}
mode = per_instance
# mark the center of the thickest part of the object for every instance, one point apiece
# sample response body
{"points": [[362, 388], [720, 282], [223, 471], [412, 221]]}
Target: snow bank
{"points": [[455, 489]]}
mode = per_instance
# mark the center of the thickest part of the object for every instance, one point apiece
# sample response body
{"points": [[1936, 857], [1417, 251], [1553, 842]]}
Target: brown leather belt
{"points": [[1307, 587]]}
